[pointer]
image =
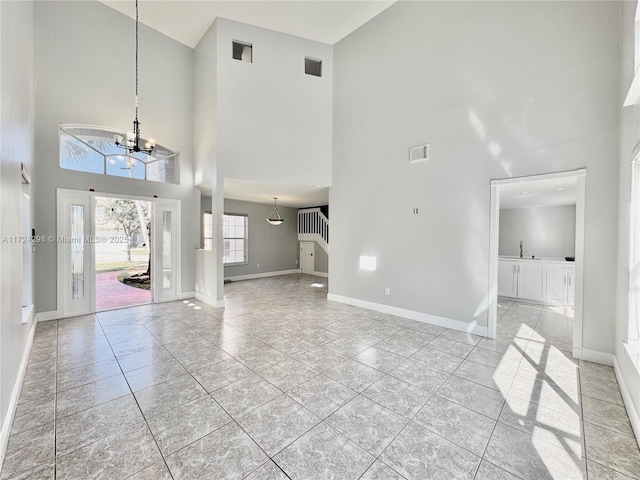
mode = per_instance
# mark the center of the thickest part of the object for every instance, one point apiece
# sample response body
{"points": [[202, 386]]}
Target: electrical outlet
{"points": [[258, 266], [387, 291]]}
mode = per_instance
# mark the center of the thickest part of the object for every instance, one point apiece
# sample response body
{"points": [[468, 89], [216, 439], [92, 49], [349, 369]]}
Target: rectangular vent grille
{"points": [[419, 153]]}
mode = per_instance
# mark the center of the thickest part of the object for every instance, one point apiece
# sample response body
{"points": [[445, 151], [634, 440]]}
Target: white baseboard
{"points": [[262, 275], [413, 315], [595, 356], [45, 316], [184, 295], [632, 412], [209, 300], [15, 393], [320, 274]]}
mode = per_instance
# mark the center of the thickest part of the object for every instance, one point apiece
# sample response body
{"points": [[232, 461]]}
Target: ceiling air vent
{"points": [[419, 153]]}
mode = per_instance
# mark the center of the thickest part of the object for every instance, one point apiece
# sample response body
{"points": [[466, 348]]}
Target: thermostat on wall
{"points": [[419, 153]]}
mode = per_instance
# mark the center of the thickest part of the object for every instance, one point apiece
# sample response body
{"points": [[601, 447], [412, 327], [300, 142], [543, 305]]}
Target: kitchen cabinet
{"points": [[536, 280], [507, 278], [561, 285]]}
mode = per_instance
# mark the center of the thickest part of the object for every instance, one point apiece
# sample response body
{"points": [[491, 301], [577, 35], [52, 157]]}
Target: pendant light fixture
{"points": [[275, 218], [132, 142]]}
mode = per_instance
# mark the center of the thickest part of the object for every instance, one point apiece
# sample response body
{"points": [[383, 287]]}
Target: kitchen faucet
{"points": [[520, 248]]}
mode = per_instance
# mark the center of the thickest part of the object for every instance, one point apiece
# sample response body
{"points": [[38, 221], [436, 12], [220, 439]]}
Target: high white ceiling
{"points": [[298, 196], [186, 21], [539, 193]]}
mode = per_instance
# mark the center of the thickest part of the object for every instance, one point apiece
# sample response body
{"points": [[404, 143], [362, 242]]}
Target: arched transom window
{"points": [[91, 149]]}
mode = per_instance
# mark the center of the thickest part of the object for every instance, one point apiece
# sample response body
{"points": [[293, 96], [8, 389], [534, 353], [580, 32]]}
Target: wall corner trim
{"points": [[595, 356], [46, 316], [632, 412], [412, 315], [209, 300], [320, 274], [15, 394]]}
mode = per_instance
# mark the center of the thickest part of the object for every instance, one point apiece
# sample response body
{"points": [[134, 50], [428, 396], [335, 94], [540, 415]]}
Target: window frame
{"points": [[245, 239]]}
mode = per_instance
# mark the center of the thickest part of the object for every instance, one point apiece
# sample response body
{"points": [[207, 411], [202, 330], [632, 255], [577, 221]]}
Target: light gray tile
{"points": [[367, 423], [28, 450], [195, 360], [489, 471], [153, 374], [43, 472], [488, 376], [221, 374], [320, 358], [461, 337], [268, 471], [168, 395], [241, 345], [346, 346], [144, 359], [321, 395], [418, 453], [87, 396], [379, 359], [87, 374], [288, 374], [612, 450], [606, 415], [187, 423], [133, 346], [458, 424], [398, 396], [379, 471], [450, 347], [114, 456], [157, 471], [261, 358], [323, 453], [517, 453], [419, 375], [354, 375], [245, 395], [436, 359], [33, 413], [277, 423], [476, 397], [90, 425], [600, 472], [227, 453]]}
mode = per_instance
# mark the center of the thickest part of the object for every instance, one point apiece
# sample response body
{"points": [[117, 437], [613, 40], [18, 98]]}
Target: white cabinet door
{"points": [[571, 288], [507, 278], [557, 286], [531, 281]]}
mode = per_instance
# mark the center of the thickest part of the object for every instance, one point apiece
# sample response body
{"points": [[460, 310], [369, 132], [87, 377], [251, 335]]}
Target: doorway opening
{"points": [[122, 252], [131, 240], [536, 259]]}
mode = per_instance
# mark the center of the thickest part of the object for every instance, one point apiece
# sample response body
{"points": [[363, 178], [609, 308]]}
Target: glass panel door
{"points": [[165, 271], [75, 265]]}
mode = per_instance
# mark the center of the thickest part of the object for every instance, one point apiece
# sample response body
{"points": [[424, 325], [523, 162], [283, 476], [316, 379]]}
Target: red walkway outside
{"points": [[110, 293]]}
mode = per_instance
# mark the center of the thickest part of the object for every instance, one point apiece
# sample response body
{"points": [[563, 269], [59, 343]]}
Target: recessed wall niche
{"points": [[242, 51], [313, 66]]}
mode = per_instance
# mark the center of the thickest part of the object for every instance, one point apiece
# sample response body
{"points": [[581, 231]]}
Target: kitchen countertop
{"points": [[537, 259]]}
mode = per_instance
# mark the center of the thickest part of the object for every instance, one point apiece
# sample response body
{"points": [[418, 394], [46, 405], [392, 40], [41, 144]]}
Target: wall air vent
{"points": [[419, 154]]}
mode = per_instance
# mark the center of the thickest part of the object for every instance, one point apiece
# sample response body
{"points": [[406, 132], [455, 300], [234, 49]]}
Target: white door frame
{"points": [[494, 232], [60, 263]]}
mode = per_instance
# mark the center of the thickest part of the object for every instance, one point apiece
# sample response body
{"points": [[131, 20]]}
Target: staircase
{"points": [[313, 226]]}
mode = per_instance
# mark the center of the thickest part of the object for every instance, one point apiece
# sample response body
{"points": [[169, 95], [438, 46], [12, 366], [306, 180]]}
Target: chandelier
{"points": [[133, 143], [275, 218]]}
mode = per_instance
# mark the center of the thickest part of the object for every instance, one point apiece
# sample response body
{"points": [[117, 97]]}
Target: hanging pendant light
{"points": [[275, 218], [132, 142]]}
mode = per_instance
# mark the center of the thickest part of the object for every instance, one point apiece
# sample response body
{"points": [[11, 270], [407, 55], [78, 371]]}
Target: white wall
{"points": [[16, 146], [264, 121], [85, 72], [629, 138], [274, 121], [548, 232], [498, 89]]}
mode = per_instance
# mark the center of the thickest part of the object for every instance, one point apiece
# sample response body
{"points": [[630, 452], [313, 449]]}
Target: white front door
{"points": [[306, 257], [165, 271], [76, 275]]}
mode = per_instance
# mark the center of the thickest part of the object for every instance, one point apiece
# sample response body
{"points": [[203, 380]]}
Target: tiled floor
{"points": [[283, 384]]}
